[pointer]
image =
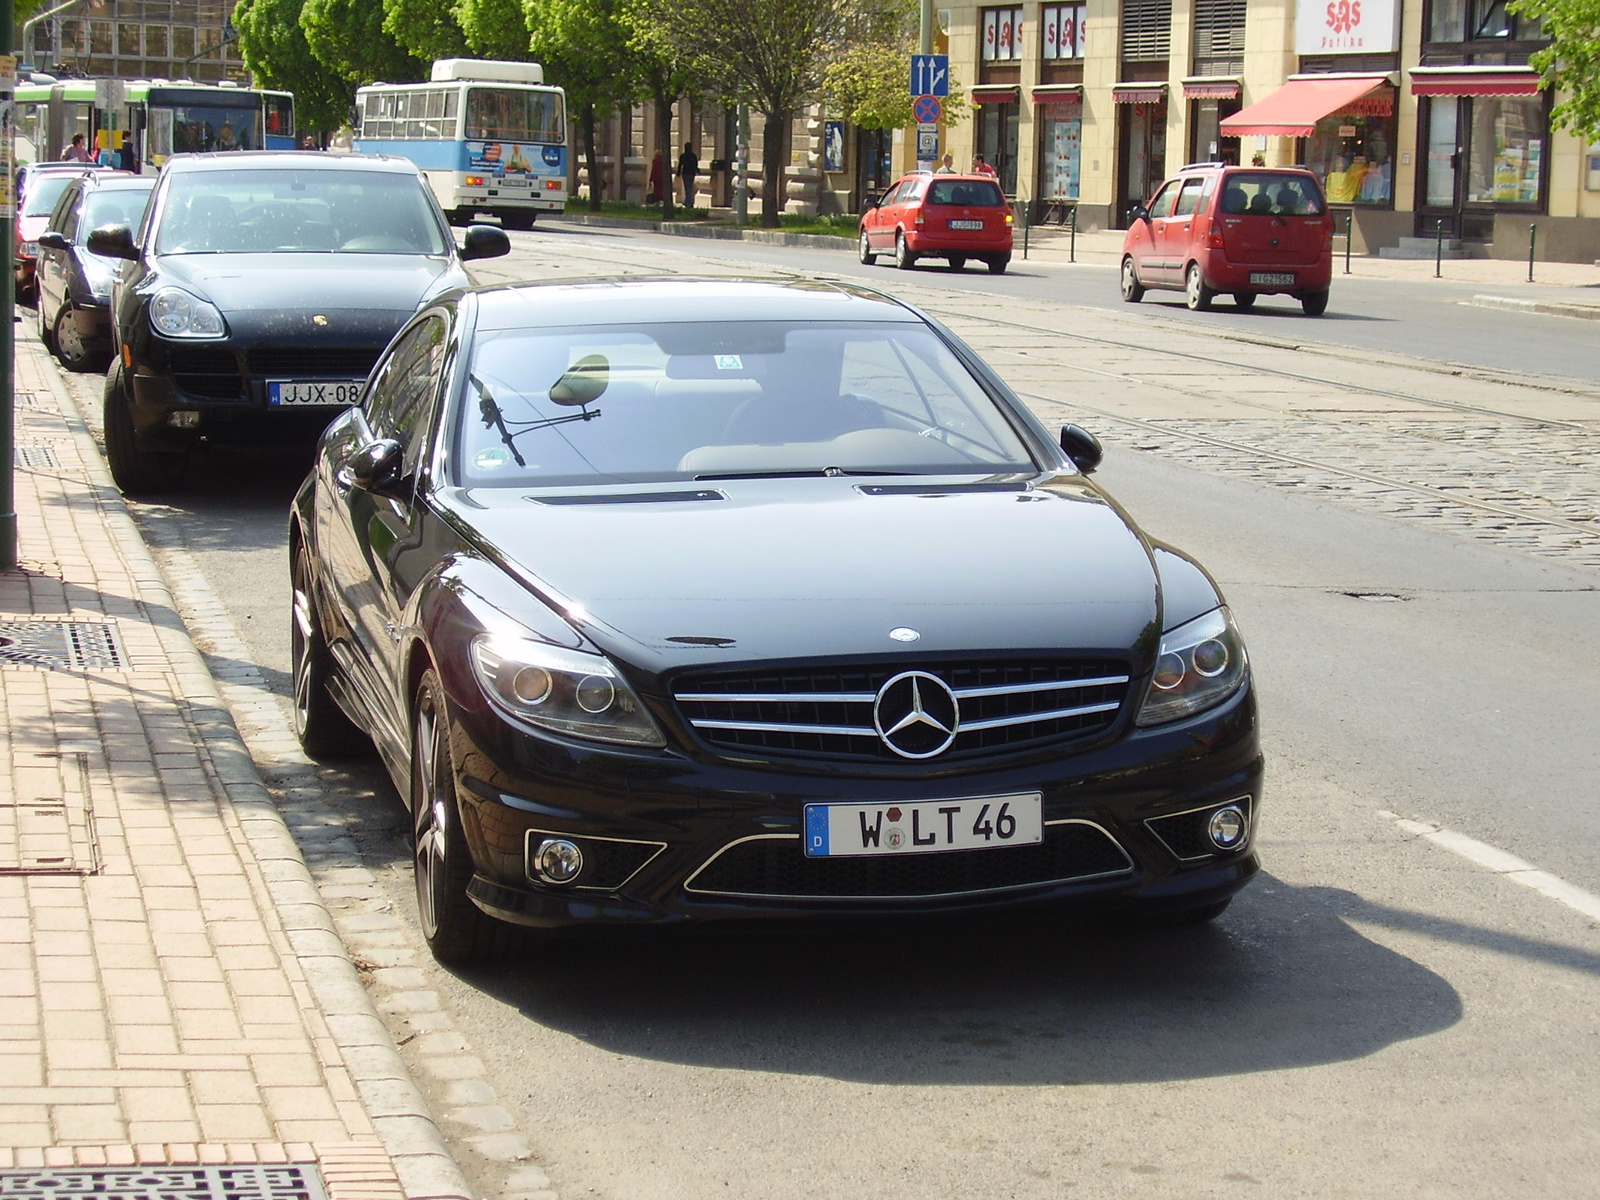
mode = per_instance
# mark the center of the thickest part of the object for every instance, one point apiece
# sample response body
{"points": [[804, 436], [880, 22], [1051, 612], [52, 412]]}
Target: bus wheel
{"points": [[459, 216], [518, 219]]}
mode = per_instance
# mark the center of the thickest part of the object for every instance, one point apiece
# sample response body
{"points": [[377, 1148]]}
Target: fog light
{"points": [[557, 861], [1227, 828], [184, 419]]}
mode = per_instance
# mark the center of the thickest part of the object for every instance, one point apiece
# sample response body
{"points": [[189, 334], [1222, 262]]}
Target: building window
{"points": [[1002, 34], [1146, 30], [128, 40], [1061, 143], [1219, 37], [1479, 21], [1063, 31], [1505, 157], [1352, 152]]}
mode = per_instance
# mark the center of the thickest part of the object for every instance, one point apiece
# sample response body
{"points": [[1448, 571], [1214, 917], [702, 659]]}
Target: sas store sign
{"points": [[1347, 26]]}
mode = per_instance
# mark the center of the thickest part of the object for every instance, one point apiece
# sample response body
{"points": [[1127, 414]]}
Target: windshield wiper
{"points": [[802, 473], [494, 418]]}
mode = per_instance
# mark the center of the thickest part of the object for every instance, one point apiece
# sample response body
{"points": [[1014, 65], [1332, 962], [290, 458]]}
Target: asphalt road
{"points": [[1376, 1016]]}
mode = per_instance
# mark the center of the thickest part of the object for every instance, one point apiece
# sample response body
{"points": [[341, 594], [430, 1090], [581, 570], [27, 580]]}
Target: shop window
{"points": [[1352, 153], [1219, 37], [1063, 31], [1146, 30], [1002, 34], [1506, 150], [1061, 151]]}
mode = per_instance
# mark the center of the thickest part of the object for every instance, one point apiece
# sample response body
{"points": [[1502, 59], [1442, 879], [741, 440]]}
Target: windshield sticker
{"points": [[729, 362], [491, 459]]}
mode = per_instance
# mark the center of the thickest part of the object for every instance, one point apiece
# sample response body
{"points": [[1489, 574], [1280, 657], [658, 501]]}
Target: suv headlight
{"points": [[174, 313], [1201, 663], [564, 691]]}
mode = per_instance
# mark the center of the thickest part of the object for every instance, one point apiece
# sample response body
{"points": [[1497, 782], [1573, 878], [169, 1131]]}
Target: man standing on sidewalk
{"points": [[688, 168]]}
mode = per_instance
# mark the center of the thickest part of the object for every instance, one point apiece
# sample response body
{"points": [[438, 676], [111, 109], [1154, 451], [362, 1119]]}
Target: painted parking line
{"points": [[1501, 863]]}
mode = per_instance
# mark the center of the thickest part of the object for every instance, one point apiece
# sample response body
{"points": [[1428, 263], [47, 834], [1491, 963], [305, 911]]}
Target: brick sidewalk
{"points": [[171, 988]]}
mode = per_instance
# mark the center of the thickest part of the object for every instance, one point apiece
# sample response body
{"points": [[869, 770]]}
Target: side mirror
{"points": [[869, 203], [1138, 213], [375, 467], [52, 239], [113, 241], [1082, 447], [484, 241]]}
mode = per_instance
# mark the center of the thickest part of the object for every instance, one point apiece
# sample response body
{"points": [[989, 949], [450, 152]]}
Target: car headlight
{"points": [[1201, 663], [175, 313], [564, 691], [28, 250]]}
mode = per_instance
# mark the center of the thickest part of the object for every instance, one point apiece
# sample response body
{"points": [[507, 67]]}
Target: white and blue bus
{"points": [[491, 137]]}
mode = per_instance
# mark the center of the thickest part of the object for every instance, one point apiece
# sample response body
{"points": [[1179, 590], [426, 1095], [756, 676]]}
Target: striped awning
{"points": [[1474, 81], [990, 93], [1295, 108], [1057, 93], [1138, 93], [1210, 89]]}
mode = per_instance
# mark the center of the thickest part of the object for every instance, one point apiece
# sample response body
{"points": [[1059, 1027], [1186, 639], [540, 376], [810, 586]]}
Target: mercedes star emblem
{"points": [[916, 715]]}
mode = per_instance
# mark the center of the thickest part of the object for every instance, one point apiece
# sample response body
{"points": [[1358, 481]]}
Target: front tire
{"points": [[69, 346], [903, 258], [456, 930], [1196, 294], [320, 724], [1132, 289], [864, 250], [134, 468], [1315, 303]]}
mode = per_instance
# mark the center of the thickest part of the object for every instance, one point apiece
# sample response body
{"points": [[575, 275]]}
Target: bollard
{"points": [[1438, 248], [1072, 242], [1026, 225], [1533, 232], [1349, 236]]}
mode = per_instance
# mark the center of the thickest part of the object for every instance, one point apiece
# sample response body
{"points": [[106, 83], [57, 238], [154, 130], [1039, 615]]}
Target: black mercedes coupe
{"points": [[681, 600], [259, 290]]}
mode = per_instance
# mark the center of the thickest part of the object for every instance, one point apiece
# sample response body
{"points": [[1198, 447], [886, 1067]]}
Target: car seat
{"points": [[1233, 200]]}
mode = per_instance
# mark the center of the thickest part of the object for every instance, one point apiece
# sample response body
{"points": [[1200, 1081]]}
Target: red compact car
{"points": [[1247, 231], [953, 217]]}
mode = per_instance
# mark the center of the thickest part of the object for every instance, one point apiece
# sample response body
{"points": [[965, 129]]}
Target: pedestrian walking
{"points": [[688, 168], [76, 151], [979, 167], [948, 165], [657, 180]]}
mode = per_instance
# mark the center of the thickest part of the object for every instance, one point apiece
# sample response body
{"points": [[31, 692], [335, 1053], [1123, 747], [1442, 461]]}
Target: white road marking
{"points": [[1501, 863]]}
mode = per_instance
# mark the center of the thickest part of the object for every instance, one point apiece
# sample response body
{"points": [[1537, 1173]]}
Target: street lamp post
{"points": [[8, 358]]}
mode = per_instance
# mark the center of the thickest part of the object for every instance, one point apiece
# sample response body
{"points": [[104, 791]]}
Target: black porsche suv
{"points": [[258, 292]]}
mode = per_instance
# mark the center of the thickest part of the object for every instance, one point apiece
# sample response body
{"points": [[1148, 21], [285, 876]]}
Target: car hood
{"points": [[778, 569], [243, 283]]}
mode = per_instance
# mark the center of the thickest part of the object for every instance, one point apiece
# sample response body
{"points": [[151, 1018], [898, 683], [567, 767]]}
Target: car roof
{"points": [[641, 301], [119, 180], [300, 160]]}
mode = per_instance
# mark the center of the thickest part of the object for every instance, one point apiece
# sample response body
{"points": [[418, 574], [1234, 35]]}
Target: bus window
{"points": [[279, 112], [515, 115]]}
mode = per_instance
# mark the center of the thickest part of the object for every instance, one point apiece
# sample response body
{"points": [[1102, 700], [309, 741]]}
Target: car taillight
{"points": [[920, 220], [1327, 235], [1214, 237], [1009, 217]]}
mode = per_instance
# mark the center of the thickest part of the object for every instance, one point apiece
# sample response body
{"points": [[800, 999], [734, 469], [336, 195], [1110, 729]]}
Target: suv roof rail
{"points": [[1192, 166]]}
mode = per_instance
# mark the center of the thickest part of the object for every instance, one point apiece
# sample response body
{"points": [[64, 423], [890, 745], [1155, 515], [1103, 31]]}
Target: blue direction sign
{"points": [[930, 74], [926, 110]]}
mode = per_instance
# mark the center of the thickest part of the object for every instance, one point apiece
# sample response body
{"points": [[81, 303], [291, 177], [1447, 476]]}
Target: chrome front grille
{"points": [[1002, 705]]}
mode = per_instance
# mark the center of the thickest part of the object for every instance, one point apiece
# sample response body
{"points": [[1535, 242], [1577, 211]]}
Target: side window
{"points": [[1161, 206], [1189, 198], [407, 384], [65, 218]]}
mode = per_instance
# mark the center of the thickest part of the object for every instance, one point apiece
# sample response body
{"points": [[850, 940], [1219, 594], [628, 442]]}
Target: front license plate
{"points": [[966, 224], [924, 827], [328, 391], [1272, 278]]}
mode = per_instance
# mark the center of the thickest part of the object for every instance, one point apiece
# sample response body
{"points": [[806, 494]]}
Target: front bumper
{"points": [[660, 823]]}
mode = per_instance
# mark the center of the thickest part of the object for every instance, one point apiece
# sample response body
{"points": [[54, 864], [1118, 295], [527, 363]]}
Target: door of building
{"points": [[1141, 154], [997, 142]]}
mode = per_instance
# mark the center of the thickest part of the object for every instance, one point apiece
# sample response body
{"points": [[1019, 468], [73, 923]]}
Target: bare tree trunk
{"points": [[586, 120], [774, 141], [664, 104]]}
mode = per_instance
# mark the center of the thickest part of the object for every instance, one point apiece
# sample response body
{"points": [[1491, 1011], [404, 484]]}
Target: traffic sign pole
{"points": [[8, 357]]}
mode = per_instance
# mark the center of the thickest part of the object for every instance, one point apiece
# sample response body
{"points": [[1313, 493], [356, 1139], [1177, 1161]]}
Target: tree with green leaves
{"points": [[347, 37], [866, 85], [583, 46], [274, 49], [665, 72], [773, 53], [1571, 63], [425, 28], [495, 28]]}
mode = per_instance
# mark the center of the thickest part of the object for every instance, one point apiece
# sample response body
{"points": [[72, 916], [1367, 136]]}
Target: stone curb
{"points": [[421, 1158], [1590, 312], [727, 233]]}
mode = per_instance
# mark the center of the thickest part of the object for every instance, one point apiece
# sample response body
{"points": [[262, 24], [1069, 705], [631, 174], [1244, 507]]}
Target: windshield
{"points": [[965, 192], [113, 206], [620, 404], [515, 115], [196, 128], [260, 211], [43, 192]]}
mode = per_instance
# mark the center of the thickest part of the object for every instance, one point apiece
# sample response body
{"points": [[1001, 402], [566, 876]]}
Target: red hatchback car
{"points": [[953, 217], [1247, 231]]}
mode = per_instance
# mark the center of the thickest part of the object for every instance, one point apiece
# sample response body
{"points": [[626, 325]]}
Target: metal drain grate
{"points": [[24, 400], [81, 645], [37, 458], [290, 1181]]}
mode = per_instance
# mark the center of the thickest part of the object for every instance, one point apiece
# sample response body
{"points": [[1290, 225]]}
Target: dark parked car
{"points": [[74, 285], [690, 600], [262, 288], [39, 186]]}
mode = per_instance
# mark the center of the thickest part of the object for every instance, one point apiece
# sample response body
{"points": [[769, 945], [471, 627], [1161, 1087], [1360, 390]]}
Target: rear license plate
{"points": [[1272, 278], [924, 827], [325, 391], [966, 224]]}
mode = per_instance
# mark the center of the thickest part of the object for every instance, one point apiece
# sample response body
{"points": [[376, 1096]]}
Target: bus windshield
{"points": [[515, 115], [197, 128]]}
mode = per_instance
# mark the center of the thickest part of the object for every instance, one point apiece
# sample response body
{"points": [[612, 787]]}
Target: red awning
{"points": [[1210, 89], [1473, 81], [1138, 93], [996, 94], [1057, 93], [1295, 108]]}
